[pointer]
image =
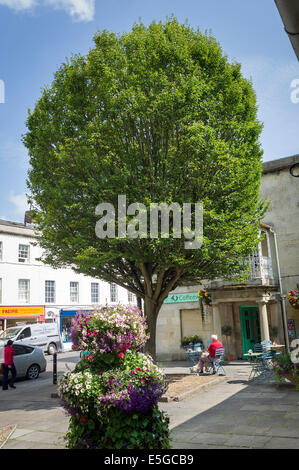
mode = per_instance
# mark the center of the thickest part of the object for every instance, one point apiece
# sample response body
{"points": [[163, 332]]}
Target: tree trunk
{"points": [[151, 310]]}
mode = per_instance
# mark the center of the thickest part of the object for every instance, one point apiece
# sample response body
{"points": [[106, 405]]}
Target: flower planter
{"points": [[292, 378], [112, 394]]}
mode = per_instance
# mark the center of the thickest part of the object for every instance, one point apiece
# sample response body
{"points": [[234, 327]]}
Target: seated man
{"points": [[208, 359]]}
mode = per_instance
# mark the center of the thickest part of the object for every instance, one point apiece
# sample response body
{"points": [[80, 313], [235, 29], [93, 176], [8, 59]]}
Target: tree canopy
{"points": [[158, 114]]}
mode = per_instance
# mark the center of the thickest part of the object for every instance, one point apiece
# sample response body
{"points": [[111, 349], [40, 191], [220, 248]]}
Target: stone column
{"points": [[265, 336], [216, 321]]}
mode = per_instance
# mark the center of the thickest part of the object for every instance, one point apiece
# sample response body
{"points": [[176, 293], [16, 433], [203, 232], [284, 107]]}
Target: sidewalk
{"points": [[233, 414]]}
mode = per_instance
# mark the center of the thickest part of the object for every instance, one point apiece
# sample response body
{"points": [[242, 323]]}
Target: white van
{"points": [[43, 335]]}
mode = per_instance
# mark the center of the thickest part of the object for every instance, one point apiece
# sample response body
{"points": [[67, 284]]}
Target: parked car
{"points": [[29, 360], [43, 335]]}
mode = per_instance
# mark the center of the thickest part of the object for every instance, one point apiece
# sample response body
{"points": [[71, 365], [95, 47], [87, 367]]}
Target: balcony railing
{"points": [[260, 267]]}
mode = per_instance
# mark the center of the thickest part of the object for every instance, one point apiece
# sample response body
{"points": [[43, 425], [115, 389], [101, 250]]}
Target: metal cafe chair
{"points": [[217, 362], [194, 354], [262, 364]]}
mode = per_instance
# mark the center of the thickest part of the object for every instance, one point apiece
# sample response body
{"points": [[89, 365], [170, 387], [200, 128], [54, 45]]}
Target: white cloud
{"points": [[20, 203], [18, 4], [80, 10]]}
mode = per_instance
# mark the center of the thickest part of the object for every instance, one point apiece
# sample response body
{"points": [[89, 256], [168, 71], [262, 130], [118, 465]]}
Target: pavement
{"points": [[235, 414]]}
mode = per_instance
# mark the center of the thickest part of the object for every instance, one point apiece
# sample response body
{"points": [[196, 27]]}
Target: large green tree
{"points": [[158, 114]]}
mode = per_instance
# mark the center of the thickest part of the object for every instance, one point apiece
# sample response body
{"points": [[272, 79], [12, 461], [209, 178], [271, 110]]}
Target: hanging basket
{"points": [[293, 297], [204, 300]]}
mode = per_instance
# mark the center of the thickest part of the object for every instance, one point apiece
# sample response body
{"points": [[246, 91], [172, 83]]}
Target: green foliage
{"points": [[160, 115], [191, 339], [273, 330], [226, 330], [283, 367], [119, 430]]}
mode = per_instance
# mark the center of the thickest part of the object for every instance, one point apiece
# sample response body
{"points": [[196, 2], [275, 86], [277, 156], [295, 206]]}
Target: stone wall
{"points": [[281, 189]]}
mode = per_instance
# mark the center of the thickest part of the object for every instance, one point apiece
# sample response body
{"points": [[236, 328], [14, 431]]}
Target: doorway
{"points": [[250, 327]]}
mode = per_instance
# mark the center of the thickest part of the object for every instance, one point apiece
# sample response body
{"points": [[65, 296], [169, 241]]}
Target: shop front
{"points": [[65, 325], [13, 315]]}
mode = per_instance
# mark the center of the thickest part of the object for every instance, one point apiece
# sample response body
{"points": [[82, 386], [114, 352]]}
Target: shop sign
{"points": [[185, 297], [21, 311]]}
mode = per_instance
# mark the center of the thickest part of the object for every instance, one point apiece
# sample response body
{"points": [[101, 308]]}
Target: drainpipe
{"points": [[282, 296]]}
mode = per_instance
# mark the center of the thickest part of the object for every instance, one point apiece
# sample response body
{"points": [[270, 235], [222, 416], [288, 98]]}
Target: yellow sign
{"points": [[21, 311]]}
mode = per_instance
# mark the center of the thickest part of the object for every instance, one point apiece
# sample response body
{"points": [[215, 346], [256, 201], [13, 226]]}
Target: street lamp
{"points": [[294, 170]]}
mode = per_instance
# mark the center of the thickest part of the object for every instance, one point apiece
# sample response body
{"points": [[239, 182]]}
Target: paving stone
{"points": [[283, 431], [251, 442], [181, 436], [282, 443], [20, 432], [42, 436], [210, 438], [251, 430], [17, 444]]}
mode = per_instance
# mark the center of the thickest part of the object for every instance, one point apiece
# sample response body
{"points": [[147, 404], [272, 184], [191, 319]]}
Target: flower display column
{"points": [[112, 394]]}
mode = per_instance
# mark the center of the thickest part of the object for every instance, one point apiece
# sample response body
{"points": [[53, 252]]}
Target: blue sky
{"points": [[37, 35]]}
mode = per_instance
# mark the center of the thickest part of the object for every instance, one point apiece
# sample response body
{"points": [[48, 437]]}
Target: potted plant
{"points": [[227, 331], [284, 368], [190, 339], [273, 330]]}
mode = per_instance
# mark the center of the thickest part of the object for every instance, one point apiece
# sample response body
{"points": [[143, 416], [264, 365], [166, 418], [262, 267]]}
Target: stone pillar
{"points": [[216, 321], [265, 336]]}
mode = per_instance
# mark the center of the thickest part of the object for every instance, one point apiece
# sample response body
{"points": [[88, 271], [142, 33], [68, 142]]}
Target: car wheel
{"points": [[52, 349], [33, 372]]}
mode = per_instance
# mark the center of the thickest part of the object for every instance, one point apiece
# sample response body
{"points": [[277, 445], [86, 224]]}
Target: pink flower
{"points": [[121, 354], [83, 419], [101, 372], [90, 357]]}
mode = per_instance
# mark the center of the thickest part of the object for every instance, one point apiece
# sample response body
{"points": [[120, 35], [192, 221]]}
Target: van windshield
{"points": [[10, 333]]}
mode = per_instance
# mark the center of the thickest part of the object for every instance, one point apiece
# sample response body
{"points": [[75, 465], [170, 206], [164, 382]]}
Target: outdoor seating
{"points": [[194, 353], [217, 362], [262, 363]]}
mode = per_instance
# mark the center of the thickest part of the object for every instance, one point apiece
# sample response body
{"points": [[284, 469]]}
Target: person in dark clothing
{"points": [[8, 365]]}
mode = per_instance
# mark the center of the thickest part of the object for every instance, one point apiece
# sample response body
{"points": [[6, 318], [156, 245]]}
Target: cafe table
{"points": [[253, 356]]}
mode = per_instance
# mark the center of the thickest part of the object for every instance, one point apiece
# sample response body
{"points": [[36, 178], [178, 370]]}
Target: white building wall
{"points": [[11, 270]]}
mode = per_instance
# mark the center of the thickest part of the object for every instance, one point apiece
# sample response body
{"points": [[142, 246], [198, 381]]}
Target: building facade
{"points": [[31, 291], [254, 310]]}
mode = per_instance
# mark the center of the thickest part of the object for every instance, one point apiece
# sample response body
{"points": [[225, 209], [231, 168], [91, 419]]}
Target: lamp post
{"points": [[294, 170]]}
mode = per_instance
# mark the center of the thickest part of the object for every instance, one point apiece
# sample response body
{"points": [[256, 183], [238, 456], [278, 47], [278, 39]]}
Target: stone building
{"points": [[256, 308]]}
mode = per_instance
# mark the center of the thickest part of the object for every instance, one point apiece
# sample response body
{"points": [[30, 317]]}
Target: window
{"points": [[66, 326], [94, 293], [113, 292], [23, 253], [20, 349], [50, 291], [131, 297], [24, 290], [74, 291], [26, 333]]}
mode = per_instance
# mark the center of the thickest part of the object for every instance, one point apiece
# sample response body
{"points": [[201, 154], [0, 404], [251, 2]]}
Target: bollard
{"points": [[55, 368]]}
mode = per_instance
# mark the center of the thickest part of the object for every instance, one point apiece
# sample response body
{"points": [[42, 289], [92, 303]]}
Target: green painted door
{"points": [[250, 327]]}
